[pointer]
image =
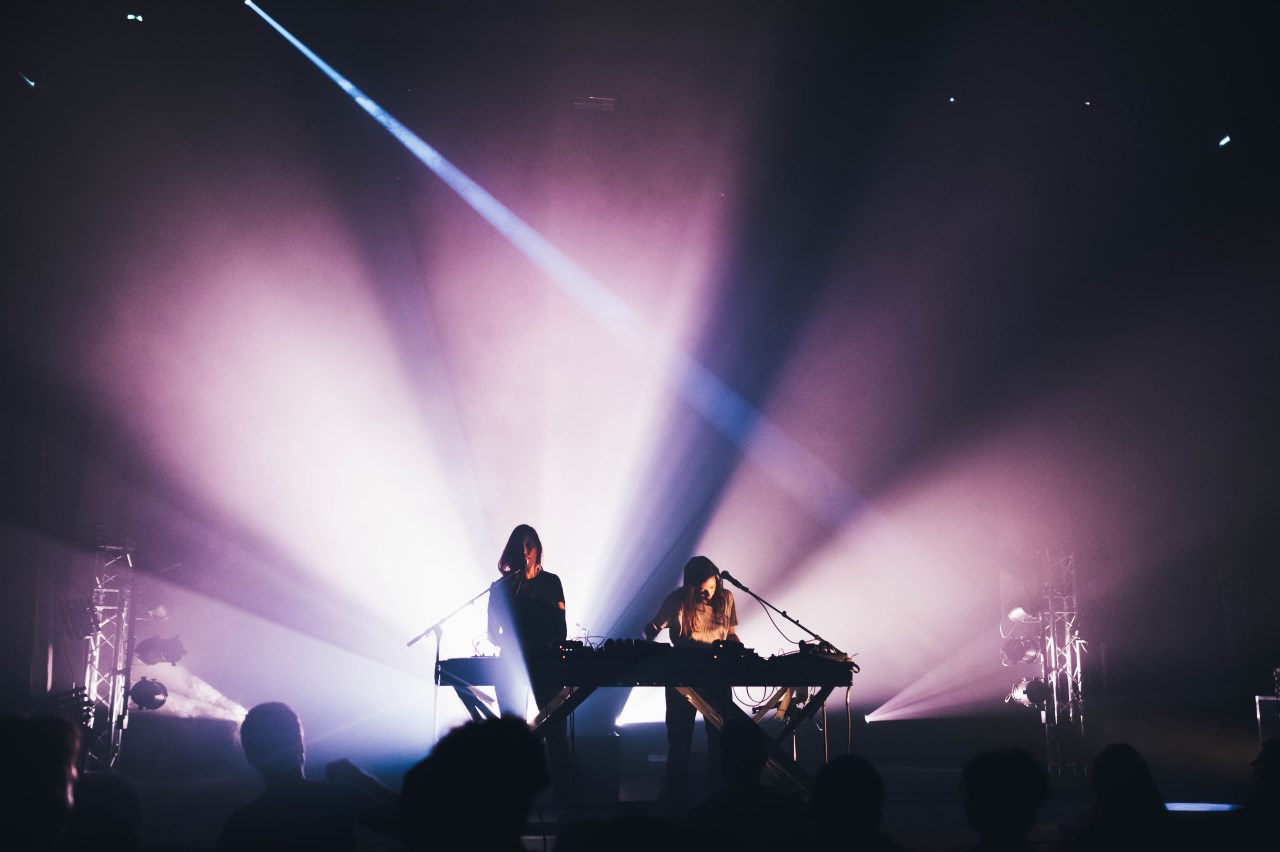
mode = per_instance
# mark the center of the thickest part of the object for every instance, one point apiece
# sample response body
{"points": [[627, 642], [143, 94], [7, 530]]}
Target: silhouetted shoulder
{"points": [[309, 815]]}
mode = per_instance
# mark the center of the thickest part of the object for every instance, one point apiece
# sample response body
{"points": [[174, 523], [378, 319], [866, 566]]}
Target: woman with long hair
{"points": [[699, 613], [527, 616], [526, 613]]}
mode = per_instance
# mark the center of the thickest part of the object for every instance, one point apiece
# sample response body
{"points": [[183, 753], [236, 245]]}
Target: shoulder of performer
{"points": [[669, 607], [553, 581], [674, 598]]}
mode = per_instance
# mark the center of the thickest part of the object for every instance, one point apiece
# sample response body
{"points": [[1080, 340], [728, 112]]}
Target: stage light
{"points": [[951, 100], [75, 703], [27, 80], [137, 18], [156, 650], [1019, 614], [148, 694], [1222, 143], [151, 606], [1021, 643], [1032, 692], [1020, 649]]}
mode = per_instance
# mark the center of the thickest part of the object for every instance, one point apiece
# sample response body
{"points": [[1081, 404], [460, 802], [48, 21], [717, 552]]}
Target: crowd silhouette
{"points": [[476, 788], [293, 813]]}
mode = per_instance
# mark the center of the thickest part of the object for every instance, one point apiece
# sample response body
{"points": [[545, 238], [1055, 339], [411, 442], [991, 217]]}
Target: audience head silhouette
{"points": [[477, 784], [1122, 782], [294, 813], [37, 779], [848, 798], [1266, 771], [108, 814], [1003, 790], [272, 738]]}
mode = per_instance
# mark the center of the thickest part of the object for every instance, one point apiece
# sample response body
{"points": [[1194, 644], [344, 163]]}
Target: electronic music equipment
{"points": [[580, 670], [654, 664]]}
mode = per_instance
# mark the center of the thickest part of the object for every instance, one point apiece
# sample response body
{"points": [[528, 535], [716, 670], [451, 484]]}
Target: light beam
{"points": [[797, 470]]}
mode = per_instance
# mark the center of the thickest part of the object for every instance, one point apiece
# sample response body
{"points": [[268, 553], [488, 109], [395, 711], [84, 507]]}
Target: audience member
{"points": [[475, 788], [38, 759], [1260, 818], [1128, 812], [292, 812], [847, 806], [1003, 791], [107, 814], [746, 814]]}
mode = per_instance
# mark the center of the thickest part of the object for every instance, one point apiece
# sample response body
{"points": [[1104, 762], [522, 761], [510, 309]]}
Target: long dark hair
{"points": [[513, 554], [697, 571]]}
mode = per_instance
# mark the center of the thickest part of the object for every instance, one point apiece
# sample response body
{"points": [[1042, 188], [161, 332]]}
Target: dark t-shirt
{"points": [[310, 815], [528, 611]]}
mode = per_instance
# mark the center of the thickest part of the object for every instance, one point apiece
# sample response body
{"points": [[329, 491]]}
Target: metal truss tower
{"points": [[1063, 649], [107, 656]]}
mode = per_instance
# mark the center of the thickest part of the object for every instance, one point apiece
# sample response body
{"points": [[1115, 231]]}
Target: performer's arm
{"points": [[496, 618], [562, 625], [661, 620]]}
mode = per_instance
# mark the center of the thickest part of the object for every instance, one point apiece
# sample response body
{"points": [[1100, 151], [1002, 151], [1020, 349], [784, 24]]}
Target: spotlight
{"points": [[1020, 649], [1019, 614], [157, 650], [75, 704], [148, 694], [1032, 692], [151, 605]]}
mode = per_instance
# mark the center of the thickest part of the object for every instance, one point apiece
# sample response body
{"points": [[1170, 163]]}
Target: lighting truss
{"points": [[107, 651], [1063, 713]]}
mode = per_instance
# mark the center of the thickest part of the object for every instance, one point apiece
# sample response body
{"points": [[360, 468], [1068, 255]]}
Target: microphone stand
{"points": [[823, 644], [438, 630]]}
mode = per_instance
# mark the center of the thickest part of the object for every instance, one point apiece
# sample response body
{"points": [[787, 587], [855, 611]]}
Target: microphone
{"points": [[506, 578], [725, 575]]}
